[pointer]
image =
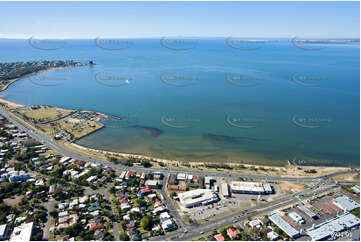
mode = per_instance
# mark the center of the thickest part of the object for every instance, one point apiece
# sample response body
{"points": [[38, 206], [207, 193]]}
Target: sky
{"points": [[200, 19]]}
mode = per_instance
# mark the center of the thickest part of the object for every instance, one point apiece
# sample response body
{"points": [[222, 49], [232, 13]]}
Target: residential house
{"points": [[232, 233], [219, 237]]}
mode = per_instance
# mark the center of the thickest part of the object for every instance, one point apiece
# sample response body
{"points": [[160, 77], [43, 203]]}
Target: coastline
{"points": [[282, 171], [120, 154], [15, 105], [322, 170], [162, 160], [5, 87]]}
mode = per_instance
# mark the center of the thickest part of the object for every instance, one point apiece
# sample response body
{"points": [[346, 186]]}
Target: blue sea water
{"points": [[211, 102]]}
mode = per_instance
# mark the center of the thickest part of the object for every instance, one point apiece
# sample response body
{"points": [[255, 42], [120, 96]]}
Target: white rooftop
{"points": [[326, 229], [282, 224], [22, 232], [346, 203]]}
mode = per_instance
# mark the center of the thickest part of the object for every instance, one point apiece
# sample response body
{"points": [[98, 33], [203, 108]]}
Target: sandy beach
{"points": [[10, 104]]}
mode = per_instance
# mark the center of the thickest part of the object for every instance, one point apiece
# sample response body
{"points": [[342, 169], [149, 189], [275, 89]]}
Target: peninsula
{"points": [[13, 71]]}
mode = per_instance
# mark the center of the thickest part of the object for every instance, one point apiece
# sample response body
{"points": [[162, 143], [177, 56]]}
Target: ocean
{"points": [[205, 99]]}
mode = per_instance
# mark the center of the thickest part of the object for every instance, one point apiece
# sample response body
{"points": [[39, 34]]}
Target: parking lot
{"points": [[227, 204], [325, 210]]}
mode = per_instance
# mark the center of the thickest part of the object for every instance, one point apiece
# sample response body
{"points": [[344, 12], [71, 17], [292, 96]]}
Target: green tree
{"points": [[172, 194], [123, 237], [146, 222]]}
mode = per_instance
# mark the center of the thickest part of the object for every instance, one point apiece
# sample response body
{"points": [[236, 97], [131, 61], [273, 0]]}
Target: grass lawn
{"points": [[45, 113], [146, 235]]}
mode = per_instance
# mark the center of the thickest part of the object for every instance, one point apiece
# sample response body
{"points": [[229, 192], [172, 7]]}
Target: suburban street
{"points": [[171, 207], [50, 207]]}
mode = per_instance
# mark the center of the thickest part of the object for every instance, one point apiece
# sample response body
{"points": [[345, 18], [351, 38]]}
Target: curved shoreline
{"points": [[11, 81], [323, 170], [124, 155], [164, 160]]}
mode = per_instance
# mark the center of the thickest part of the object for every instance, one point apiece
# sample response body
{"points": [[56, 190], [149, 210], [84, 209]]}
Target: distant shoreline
{"points": [[11, 81], [31, 74]]}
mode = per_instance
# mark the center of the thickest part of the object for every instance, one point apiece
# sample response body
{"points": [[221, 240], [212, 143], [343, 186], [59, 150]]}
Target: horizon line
{"points": [[185, 37]]}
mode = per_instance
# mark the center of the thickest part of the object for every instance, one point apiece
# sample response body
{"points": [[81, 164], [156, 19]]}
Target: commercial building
{"points": [[251, 187], [197, 197], [208, 181], [22, 232], [225, 190], [307, 211], [3, 232], [345, 203], [296, 217], [284, 226], [326, 229]]}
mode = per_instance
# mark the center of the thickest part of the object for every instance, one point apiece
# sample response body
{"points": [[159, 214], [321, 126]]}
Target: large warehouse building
{"points": [[329, 228], [197, 197], [251, 187], [286, 227], [346, 203]]}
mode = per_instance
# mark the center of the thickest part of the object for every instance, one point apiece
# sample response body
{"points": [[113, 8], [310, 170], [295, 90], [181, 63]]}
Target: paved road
{"points": [[50, 207], [105, 192], [172, 209]]}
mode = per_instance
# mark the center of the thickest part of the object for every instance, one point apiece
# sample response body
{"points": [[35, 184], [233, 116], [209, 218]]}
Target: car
{"points": [[201, 232]]}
